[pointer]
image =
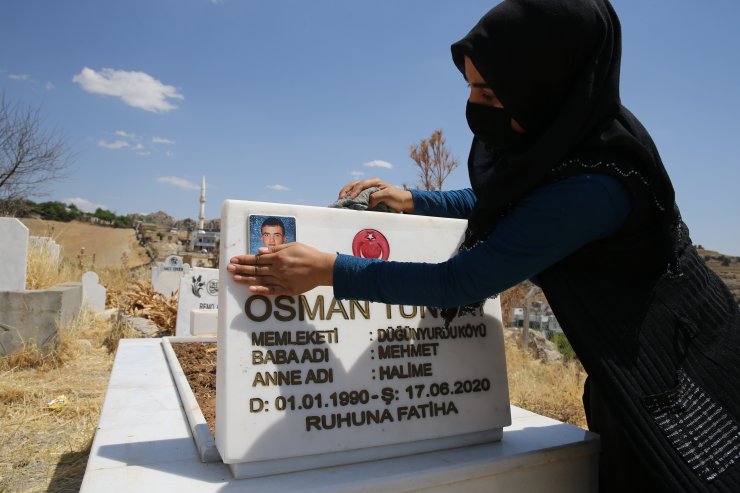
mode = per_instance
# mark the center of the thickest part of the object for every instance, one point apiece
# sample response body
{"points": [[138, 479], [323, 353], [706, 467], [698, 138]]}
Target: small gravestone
{"points": [[93, 293], [312, 381], [166, 275], [198, 291], [46, 245], [13, 254]]}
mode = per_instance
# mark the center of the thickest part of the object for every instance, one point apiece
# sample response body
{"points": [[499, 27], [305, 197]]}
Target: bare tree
{"points": [[434, 161], [30, 157]]}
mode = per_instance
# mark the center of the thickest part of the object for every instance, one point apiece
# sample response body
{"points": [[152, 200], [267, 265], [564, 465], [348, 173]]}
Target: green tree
{"points": [[123, 222], [56, 211], [104, 215]]}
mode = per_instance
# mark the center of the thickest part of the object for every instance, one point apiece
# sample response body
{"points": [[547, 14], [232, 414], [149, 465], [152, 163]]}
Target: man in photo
{"points": [[272, 232]]}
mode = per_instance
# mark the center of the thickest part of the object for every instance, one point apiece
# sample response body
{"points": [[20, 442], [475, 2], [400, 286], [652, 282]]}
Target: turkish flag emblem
{"points": [[370, 243]]}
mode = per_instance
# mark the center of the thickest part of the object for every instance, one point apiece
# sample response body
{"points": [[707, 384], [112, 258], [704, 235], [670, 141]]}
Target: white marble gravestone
{"points": [[311, 381], [166, 275], [198, 291], [46, 244], [93, 293], [13, 254]]}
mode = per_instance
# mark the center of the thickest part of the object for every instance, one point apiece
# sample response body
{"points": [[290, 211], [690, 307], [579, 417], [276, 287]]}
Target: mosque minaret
{"points": [[202, 215]]}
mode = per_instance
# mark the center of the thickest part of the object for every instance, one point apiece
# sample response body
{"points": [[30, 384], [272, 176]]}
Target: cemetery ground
{"points": [[44, 446]]}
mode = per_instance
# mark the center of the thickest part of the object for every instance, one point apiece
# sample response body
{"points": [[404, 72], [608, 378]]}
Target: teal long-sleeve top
{"points": [[544, 227]]}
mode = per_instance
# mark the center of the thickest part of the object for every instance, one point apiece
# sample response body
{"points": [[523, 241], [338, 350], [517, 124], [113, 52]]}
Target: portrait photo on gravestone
{"points": [[270, 231]]}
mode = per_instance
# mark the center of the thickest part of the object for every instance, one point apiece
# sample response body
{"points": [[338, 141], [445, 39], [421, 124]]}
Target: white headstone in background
{"points": [[93, 293], [198, 290], [203, 322], [166, 275], [13, 254], [47, 244], [311, 381]]}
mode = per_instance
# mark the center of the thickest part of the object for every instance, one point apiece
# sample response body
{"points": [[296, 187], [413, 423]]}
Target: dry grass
{"points": [[43, 271], [43, 449], [140, 299], [553, 390], [103, 246]]}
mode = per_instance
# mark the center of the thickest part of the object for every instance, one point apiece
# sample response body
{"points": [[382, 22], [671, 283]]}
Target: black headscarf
{"points": [[554, 65]]}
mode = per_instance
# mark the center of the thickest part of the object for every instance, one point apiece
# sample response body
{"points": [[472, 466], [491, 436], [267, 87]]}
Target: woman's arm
{"points": [[453, 203], [543, 228]]}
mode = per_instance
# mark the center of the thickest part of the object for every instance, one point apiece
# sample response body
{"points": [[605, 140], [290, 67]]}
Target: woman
{"points": [[555, 152]]}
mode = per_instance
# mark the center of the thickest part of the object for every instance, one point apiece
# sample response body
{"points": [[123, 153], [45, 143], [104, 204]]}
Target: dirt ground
{"points": [[106, 244], [198, 362]]}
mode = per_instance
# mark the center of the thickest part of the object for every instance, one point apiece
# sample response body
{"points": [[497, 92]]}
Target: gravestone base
{"points": [[257, 469], [35, 315], [143, 443]]}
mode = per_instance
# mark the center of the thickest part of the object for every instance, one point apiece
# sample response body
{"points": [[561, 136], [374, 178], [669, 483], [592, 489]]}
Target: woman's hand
{"points": [[291, 269], [395, 198]]}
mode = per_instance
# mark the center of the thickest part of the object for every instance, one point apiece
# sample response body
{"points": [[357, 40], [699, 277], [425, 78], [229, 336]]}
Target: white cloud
{"points": [[125, 135], [178, 182], [378, 164], [49, 86], [18, 76], [137, 89], [357, 174], [84, 205], [169, 153], [279, 188], [141, 150], [162, 140], [116, 144]]}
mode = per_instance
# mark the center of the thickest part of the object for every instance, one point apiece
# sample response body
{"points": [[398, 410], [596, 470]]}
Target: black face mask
{"points": [[492, 126]]}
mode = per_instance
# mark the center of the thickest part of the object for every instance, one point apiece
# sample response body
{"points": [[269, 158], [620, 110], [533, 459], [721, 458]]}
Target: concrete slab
{"points": [[34, 316], [144, 443]]}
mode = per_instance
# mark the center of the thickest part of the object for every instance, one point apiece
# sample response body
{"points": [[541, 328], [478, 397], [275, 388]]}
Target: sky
{"points": [[286, 101]]}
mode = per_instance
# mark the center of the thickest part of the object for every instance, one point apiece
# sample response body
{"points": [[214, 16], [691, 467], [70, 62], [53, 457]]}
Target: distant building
{"points": [[204, 240], [540, 317]]}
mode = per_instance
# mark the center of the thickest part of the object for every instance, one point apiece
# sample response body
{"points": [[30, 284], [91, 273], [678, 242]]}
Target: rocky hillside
{"points": [[726, 267]]}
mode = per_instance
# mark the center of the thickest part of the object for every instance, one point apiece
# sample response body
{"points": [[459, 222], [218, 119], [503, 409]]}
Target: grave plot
{"points": [[29, 316], [310, 381]]}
